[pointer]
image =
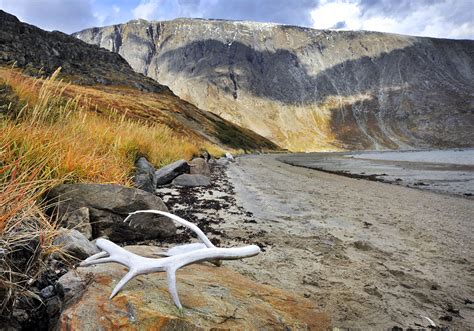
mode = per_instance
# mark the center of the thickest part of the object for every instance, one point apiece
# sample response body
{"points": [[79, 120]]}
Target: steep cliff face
{"points": [[310, 89]]}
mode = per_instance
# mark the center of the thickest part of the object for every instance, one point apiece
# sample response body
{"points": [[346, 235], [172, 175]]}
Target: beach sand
{"points": [[371, 254]]}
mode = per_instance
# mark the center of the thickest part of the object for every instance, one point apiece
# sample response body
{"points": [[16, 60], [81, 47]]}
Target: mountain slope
{"points": [[114, 84], [309, 89]]}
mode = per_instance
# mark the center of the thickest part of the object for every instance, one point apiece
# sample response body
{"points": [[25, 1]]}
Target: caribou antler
{"points": [[178, 257]]}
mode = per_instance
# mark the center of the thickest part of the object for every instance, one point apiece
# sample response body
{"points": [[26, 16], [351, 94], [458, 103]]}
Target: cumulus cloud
{"points": [[444, 19]]}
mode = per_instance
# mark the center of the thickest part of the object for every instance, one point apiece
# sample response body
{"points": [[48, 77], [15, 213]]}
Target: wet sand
{"points": [[444, 171], [372, 255]]}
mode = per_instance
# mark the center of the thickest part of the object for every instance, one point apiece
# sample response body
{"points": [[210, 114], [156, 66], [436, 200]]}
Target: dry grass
{"points": [[57, 135], [86, 145], [26, 233]]}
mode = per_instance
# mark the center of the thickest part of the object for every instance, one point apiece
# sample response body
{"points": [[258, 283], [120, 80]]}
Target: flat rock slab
{"points": [[192, 180], [212, 297]]}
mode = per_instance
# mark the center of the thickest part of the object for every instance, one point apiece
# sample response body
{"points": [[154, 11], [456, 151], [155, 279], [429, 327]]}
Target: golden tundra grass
{"points": [[64, 133]]}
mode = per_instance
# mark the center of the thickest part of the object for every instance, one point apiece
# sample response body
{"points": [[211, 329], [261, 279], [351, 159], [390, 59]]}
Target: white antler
{"points": [[142, 265]]}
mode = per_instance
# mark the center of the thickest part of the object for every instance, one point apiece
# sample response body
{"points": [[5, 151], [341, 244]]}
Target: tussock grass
{"points": [[26, 234], [77, 141], [54, 135]]}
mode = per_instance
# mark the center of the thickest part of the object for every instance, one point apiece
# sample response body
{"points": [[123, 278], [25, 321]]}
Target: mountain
{"points": [[308, 89], [40, 53]]}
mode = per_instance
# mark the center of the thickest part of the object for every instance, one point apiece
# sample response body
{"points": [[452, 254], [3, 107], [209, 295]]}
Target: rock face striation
{"points": [[309, 89]]}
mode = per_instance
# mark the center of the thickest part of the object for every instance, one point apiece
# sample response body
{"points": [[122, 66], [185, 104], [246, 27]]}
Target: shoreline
{"points": [[372, 256], [376, 178], [451, 179]]}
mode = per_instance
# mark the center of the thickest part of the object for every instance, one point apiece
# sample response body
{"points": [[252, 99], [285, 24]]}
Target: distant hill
{"points": [[40, 53], [308, 89]]}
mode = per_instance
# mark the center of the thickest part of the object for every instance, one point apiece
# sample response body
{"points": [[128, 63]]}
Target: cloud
{"points": [[277, 11], [64, 15], [147, 10], [111, 16], [329, 14], [434, 18], [442, 19]]}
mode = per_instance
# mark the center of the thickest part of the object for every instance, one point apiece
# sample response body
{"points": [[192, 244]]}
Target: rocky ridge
{"points": [[41, 53], [308, 89]]}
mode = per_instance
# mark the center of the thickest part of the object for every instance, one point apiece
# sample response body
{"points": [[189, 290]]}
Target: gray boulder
{"points": [[145, 178], [199, 166], [79, 220], [222, 161], [166, 174], [108, 206], [75, 243], [192, 180]]}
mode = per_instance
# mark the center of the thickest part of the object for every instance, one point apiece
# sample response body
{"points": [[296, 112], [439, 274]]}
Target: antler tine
{"points": [[172, 289], [94, 257], [178, 219], [110, 253], [113, 253]]}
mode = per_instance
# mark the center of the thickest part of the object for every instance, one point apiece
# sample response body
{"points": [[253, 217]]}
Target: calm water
{"points": [[444, 171], [457, 156]]}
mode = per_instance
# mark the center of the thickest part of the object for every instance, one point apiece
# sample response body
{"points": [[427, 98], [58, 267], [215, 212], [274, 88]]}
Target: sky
{"points": [[431, 18]]}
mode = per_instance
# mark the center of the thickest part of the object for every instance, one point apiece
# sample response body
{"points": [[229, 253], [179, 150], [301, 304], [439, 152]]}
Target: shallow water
{"points": [[455, 156], [443, 171]]}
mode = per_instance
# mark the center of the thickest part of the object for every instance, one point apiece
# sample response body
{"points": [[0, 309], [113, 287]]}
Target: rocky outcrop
{"points": [[213, 298], [309, 89], [32, 48], [108, 206]]}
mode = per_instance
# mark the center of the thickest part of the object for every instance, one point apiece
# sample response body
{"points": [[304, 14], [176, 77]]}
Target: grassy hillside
{"points": [[53, 132], [95, 133]]}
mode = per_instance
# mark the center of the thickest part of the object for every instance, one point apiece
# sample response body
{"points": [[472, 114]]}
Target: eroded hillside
{"points": [[308, 89], [108, 82]]}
